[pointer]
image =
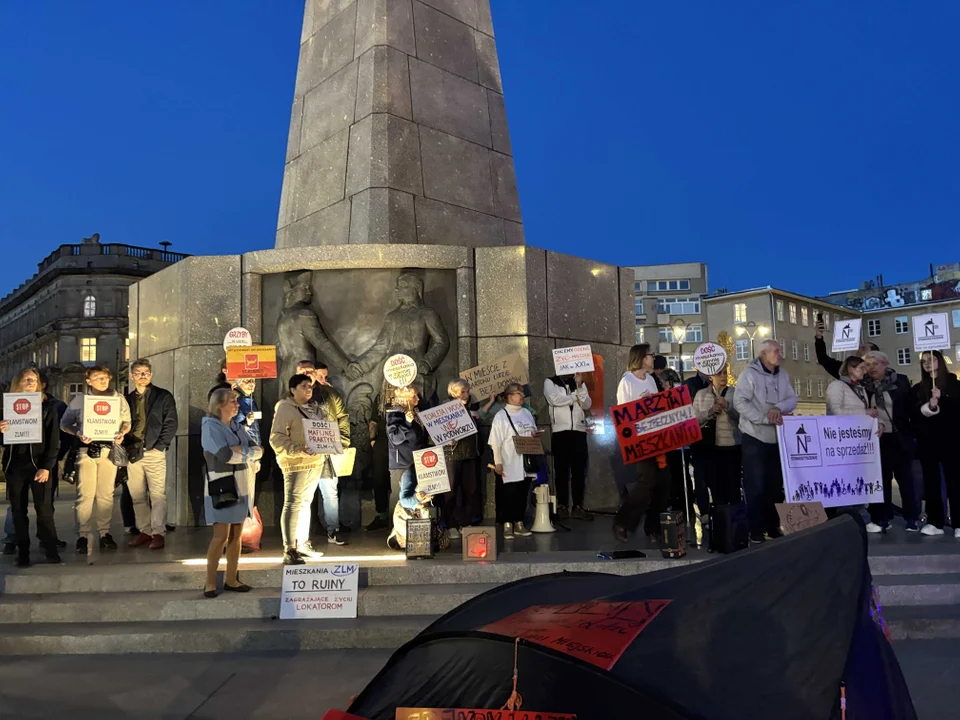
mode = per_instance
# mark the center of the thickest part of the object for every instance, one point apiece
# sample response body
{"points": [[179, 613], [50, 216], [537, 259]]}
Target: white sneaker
{"points": [[508, 531], [931, 530], [522, 531], [874, 528], [453, 533]]}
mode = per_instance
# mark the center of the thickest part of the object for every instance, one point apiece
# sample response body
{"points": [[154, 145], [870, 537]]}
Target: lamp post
{"points": [[679, 334], [751, 330]]}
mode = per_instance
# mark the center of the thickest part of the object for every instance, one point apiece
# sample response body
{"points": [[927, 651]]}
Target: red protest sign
{"points": [[655, 424], [596, 632]]}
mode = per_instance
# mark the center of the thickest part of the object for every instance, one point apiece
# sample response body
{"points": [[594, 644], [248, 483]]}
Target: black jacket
{"points": [[161, 418], [831, 365], [938, 432], [43, 454]]}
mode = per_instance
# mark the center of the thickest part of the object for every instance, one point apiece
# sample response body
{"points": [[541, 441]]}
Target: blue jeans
{"points": [[403, 483], [762, 484]]}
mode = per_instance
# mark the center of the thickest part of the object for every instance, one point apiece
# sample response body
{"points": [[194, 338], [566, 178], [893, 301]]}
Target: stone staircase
{"points": [[158, 607]]}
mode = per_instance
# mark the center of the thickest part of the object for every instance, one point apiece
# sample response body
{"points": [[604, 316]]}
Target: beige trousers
{"points": [[96, 478], [147, 483]]}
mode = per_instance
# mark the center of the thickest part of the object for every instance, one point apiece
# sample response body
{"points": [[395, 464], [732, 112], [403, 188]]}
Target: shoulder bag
{"points": [[531, 465], [222, 489]]}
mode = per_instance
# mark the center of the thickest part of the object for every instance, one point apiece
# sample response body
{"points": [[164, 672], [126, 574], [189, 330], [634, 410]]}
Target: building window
{"points": [[639, 333], [793, 348], [796, 386], [926, 295], [902, 325], [88, 350], [638, 308], [783, 347], [780, 310], [667, 285], [743, 349], [89, 306], [126, 350], [679, 306], [805, 317], [820, 387], [638, 286], [809, 387], [740, 312], [674, 362], [806, 352], [873, 327], [903, 356], [694, 334], [74, 389], [793, 313], [826, 320], [956, 318]]}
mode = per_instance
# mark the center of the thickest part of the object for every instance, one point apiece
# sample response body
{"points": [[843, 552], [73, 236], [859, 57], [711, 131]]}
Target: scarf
{"points": [[878, 388], [858, 390]]}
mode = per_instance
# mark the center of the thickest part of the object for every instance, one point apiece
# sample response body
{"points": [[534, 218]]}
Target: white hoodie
{"points": [[501, 440], [632, 388], [567, 409]]}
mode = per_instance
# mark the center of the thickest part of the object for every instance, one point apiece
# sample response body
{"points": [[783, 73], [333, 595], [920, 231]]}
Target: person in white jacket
{"points": [[848, 396], [513, 482], [569, 401]]}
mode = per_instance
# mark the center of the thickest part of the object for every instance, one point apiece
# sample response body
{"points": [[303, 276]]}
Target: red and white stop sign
{"points": [[22, 406], [101, 408], [429, 459]]}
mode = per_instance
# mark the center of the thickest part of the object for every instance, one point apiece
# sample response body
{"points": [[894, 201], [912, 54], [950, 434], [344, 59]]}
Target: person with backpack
{"points": [[568, 401]]}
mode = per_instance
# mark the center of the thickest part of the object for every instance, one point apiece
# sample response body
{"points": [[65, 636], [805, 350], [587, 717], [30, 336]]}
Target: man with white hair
{"points": [[764, 395], [888, 393]]}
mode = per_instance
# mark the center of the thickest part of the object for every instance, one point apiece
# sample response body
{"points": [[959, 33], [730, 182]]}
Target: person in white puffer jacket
{"points": [[847, 396], [569, 401]]}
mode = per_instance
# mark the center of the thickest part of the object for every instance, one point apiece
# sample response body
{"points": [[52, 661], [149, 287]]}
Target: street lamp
{"points": [[751, 330], [679, 334]]}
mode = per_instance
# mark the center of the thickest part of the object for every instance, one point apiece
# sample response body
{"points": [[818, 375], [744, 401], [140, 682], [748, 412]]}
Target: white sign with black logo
{"points": [[709, 358], [24, 416], [319, 592], [846, 335], [931, 332], [834, 460]]}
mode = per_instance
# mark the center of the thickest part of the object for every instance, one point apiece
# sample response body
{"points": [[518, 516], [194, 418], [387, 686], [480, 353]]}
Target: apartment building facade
{"points": [[891, 329]]}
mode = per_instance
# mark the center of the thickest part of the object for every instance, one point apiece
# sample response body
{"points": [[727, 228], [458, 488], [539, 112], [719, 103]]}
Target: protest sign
{"points": [[931, 332], [431, 468], [237, 337], [101, 417], [447, 422], [596, 631], [254, 361], [491, 378], [846, 335], [795, 517], [655, 424], [709, 358], [24, 412], [400, 370], [319, 592], [572, 360], [834, 459], [322, 436], [527, 445]]}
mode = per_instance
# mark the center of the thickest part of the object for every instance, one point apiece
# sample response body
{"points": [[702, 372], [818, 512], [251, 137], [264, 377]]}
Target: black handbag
{"points": [[69, 474], [531, 463], [118, 455], [223, 490]]}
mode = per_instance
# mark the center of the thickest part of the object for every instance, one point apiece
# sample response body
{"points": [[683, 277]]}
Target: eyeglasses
{"points": [[142, 374]]}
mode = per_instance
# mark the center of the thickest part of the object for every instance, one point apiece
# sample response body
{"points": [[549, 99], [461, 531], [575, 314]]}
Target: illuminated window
{"points": [[793, 313], [740, 312], [88, 350], [639, 333], [126, 350], [926, 295], [804, 317], [826, 320], [780, 310], [89, 306]]}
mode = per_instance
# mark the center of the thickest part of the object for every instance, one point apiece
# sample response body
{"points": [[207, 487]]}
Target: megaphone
{"points": [[541, 520]]}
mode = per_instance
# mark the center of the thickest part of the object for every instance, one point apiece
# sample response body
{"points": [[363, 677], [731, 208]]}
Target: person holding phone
{"points": [[831, 365]]}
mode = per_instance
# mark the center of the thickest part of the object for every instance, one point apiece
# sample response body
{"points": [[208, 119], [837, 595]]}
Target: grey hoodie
{"points": [[758, 392]]}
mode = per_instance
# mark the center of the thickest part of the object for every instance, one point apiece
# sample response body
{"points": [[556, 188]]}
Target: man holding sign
{"points": [[843, 331]]}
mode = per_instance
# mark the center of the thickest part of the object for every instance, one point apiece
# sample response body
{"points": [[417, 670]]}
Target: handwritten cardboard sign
{"points": [[931, 332], [477, 714], [430, 466], [596, 632], [254, 361], [846, 335], [322, 436], [655, 424], [400, 370], [491, 378], [24, 413], [101, 417], [795, 517], [447, 422], [709, 358], [572, 360], [525, 445]]}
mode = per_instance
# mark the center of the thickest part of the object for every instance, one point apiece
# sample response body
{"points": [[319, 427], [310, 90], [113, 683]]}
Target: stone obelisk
{"points": [[398, 131]]}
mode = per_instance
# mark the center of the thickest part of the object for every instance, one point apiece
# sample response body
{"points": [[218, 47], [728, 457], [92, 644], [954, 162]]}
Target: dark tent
{"points": [[771, 632]]}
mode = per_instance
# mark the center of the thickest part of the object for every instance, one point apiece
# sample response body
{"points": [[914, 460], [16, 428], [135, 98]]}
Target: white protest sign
{"points": [[236, 337], [846, 335], [322, 436], [319, 592], [101, 417], [400, 370], [24, 413], [447, 422], [572, 360], [931, 332], [709, 358], [834, 460], [430, 466]]}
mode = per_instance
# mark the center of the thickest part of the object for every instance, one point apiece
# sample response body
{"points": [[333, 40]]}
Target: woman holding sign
{"points": [[937, 418], [569, 401], [28, 466], [99, 424], [513, 478]]}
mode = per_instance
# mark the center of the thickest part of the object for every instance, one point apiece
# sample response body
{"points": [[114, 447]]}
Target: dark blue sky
{"points": [[805, 145]]}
